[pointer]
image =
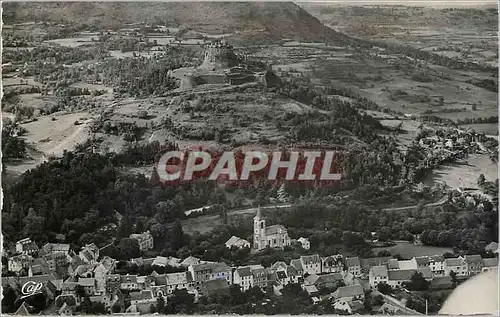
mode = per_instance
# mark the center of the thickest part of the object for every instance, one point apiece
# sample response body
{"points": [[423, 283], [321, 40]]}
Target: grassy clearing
{"points": [[409, 250]]}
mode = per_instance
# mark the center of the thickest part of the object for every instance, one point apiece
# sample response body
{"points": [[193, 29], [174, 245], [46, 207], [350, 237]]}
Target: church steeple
{"points": [[259, 230], [259, 214]]}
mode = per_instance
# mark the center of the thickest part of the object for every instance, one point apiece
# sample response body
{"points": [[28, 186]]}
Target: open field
{"points": [[408, 250], [53, 137], [460, 175], [486, 128]]}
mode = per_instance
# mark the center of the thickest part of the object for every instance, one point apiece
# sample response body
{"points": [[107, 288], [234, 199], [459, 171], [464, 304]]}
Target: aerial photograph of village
{"points": [[102, 101]]}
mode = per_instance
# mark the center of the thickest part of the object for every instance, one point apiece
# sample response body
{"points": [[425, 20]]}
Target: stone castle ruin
{"points": [[222, 66]]}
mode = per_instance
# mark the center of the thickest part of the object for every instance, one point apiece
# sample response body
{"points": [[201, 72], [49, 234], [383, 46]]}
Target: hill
{"points": [[272, 20]]}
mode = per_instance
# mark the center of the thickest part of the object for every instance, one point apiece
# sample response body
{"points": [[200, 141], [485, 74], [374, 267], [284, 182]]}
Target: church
{"points": [[275, 236]]}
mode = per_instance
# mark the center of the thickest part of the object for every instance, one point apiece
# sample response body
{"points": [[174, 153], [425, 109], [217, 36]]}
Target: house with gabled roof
{"points": [[311, 263], [18, 262], [368, 263], [297, 264], [378, 274], [456, 265], [422, 261], [492, 247], [332, 264], [190, 260], [49, 248], [349, 293], [210, 271], [237, 242], [474, 264], [396, 278], [89, 253], [26, 246], [436, 264], [353, 266]]}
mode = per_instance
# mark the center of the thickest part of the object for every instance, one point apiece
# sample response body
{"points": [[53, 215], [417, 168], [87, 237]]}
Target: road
{"points": [[441, 201], [396, 303]]}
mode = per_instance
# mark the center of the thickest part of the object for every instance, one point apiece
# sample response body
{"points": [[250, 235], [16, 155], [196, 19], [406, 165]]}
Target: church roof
{"points": [[275, 229]]}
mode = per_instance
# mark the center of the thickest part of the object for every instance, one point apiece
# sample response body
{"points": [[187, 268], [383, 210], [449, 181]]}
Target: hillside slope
{"points": [[272, 19]]}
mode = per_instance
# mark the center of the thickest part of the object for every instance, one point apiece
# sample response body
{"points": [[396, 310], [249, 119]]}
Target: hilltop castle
{"points": [[219, 55], [275, 236]]}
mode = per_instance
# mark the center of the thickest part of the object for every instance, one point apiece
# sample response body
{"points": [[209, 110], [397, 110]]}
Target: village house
{"points": [[349, 293], [348, 307], [306, 245], [244, 278], [190, 260], [456, 265], [396, 278], [421, 262], [249, 276], [436, 264], [88, 284], [378, 274], [282, 274], [474, 264], [177, 281], [142, 297], [49, 248], [297, 264], [89, 253], [353, 266], [145, 240], [407, 264], [128, 282], [210, 271], [100, 273], [492, 247], [367, 264], [18, 262], [330, 280], [332, 264], [311, 263], [164, 261], [38, 269], [56, 260], [275, 236], [26, 247], [237, 243], [489, 265], [393, 264]]}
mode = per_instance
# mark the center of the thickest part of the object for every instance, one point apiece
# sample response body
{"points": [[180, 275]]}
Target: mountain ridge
{"points": [[274, 20]]}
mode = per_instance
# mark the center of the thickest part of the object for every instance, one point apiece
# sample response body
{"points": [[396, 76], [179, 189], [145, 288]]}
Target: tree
{"points": [[129, 248], [453, 276], [481, 180], [378, 300], [418, 282], [181, 302], [384, 288], [9, 299], [282, 195], [160, 304], [177, 236]]}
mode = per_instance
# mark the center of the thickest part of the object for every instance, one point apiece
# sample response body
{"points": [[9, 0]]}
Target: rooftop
{"points": [[354, 261], [349, 291]]}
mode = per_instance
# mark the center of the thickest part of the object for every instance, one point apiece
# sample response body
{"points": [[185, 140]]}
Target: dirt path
{"points": [[59, 148], [441, 201]]}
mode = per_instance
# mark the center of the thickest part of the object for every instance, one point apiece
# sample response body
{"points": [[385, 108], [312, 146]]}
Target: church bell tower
{"points": [[259, 231]]}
